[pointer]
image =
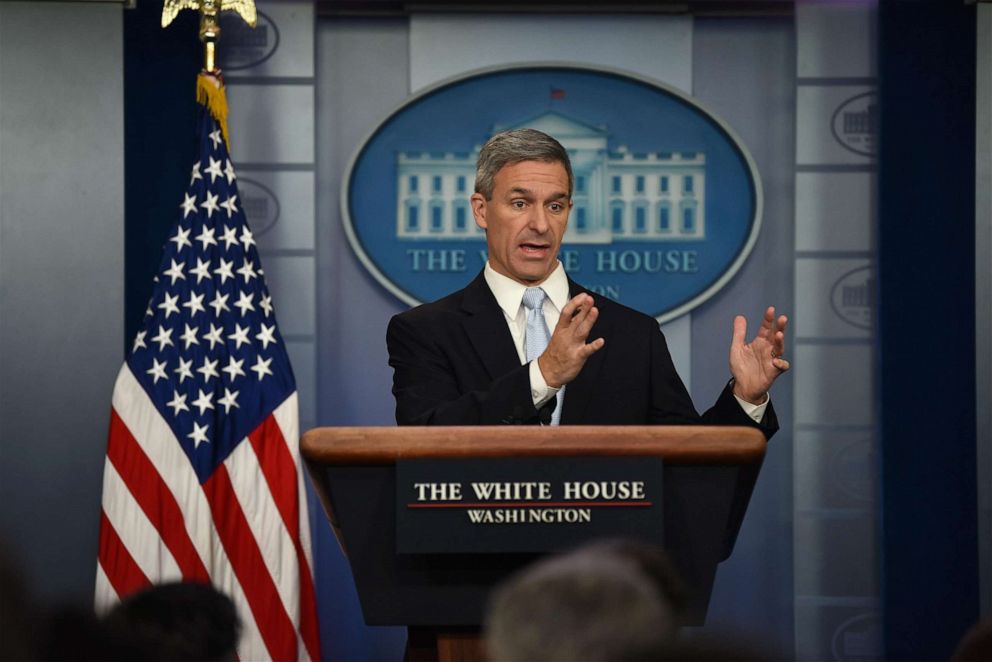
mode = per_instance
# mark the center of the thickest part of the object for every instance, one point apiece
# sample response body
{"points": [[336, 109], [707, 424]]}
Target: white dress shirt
{"points": [[509, 295]]}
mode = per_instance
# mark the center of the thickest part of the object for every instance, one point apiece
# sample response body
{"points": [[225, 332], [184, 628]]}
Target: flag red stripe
{"points": [[279, 470], [118, 565], [154, 497], [246, 560]]}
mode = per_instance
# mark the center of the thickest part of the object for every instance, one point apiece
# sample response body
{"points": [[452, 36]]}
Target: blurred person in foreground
{"points": [[610, 600], [177, 621]]}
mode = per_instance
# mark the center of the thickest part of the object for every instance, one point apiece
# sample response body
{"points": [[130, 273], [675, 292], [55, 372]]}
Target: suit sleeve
{"points": [[427, 391], [672, 405]]}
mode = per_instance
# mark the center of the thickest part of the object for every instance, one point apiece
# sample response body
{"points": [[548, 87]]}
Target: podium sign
{"points": [[522, 505]]}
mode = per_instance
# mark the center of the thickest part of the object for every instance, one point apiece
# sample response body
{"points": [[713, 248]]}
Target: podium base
{"points": [[447, 644]]}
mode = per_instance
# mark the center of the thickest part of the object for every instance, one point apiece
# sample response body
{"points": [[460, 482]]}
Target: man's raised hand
{"points": [[568, 350], [756, 365]]}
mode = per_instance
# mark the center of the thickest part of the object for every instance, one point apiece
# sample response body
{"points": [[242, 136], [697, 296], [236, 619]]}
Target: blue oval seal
{"points": [[667, 200]]}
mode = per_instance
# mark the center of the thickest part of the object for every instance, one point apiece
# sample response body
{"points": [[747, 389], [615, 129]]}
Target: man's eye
{"points": [[518, 204], [556, 206]]}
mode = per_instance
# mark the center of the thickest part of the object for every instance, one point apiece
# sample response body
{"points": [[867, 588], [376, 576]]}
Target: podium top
{"points": [[690, 444]]}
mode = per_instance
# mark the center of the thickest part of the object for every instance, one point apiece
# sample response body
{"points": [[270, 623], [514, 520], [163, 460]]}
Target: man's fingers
{"points": [[572, 309], [781, 364], [740, 330], [778, 340], [584, 325], [566, 315], [589, 349]]}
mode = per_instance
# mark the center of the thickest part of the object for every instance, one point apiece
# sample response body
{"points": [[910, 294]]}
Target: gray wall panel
{"points": [[271, 123], [743, 71], [352, 392], [290, 280], [61, 281], [280, 209], [835, 211]]}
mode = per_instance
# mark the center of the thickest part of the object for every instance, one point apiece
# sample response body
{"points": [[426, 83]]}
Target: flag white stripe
{"points": [[288, 421], [251, 646], [137, 533], [105, 595], [266, 525]]}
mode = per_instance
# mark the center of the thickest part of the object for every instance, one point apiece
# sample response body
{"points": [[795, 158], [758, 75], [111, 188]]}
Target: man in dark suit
{"points": [[476, 357]]}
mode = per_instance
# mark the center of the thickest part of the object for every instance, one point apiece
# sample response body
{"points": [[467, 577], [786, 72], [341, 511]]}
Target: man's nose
{"points": [[538, 220]]}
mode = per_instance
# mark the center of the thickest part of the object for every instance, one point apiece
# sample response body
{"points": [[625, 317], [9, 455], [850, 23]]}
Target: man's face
{"points": [[525, 220]]}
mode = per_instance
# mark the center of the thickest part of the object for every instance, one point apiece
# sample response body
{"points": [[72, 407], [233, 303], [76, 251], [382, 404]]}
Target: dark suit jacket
{"points": [[455, 363]]}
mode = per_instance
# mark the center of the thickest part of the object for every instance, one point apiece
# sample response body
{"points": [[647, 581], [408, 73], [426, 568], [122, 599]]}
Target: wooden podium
{"points": [[708, 476]]}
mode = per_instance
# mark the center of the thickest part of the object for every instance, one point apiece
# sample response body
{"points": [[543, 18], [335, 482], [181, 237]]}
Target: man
{"points": [[477, 356]]}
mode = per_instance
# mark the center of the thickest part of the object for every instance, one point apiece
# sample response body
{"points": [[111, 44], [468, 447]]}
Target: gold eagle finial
{"points": [[209, 26], [246, 8]]}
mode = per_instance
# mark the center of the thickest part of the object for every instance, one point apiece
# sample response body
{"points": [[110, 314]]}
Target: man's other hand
{"points": [[756, 365]]}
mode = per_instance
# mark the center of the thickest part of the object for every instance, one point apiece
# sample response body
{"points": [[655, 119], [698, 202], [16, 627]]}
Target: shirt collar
{"points": [[509, 293]]}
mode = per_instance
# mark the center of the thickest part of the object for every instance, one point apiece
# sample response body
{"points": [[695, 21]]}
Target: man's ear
{"points": [[478, 202]]}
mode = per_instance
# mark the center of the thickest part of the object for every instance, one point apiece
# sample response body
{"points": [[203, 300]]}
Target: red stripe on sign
{"points": [[279, 470], [154, 497], [534, 504], [118, 565], [249, 566]]}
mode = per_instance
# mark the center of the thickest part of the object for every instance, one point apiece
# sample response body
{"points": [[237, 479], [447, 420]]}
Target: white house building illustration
{"points": [[619, 194]]}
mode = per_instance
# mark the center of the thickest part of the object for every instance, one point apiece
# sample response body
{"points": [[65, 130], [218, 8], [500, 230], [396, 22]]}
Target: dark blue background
{"points": [[926, 327]]}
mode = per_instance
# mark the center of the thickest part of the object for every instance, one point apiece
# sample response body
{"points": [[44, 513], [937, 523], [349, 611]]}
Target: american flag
{"points": [[202, 479]]}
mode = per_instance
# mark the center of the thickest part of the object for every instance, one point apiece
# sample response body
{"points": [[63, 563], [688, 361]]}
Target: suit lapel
{"points": [[580, 389], [486, 328]]}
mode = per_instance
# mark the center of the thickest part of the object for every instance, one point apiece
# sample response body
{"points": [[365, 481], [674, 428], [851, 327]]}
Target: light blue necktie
{"points": [[537, 336]]}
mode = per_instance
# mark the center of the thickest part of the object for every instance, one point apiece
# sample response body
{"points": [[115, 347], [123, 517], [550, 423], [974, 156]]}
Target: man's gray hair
{"points": [[515, 146]]}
